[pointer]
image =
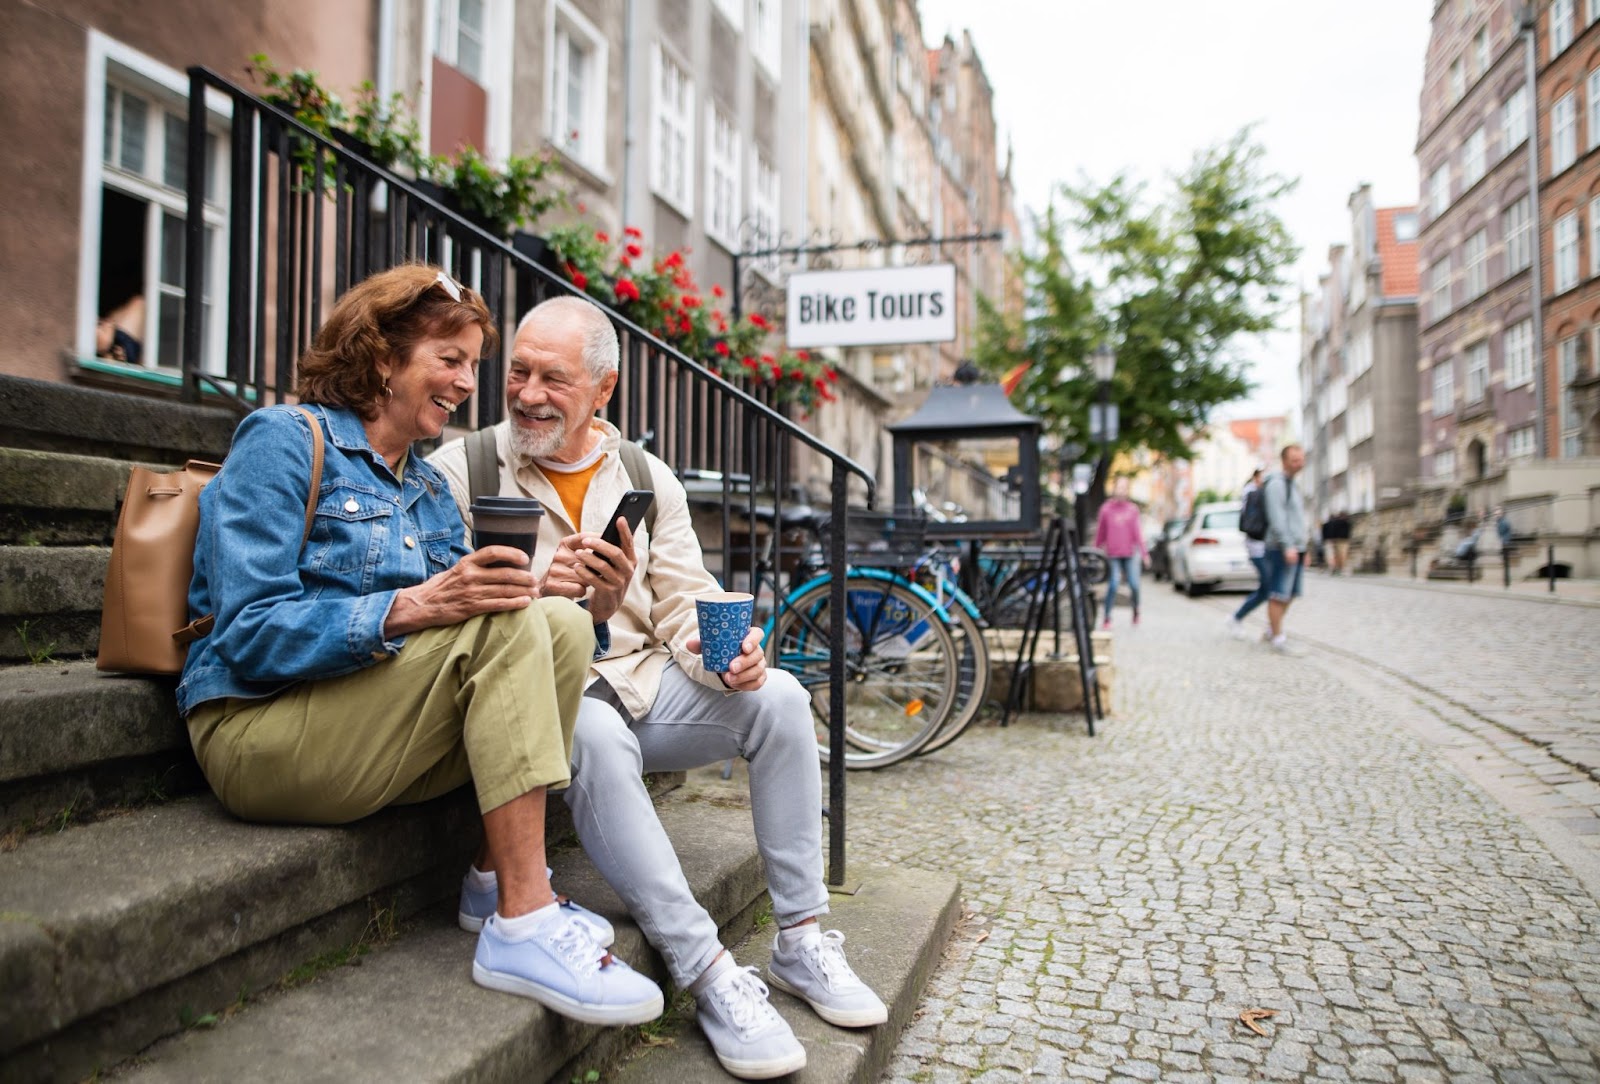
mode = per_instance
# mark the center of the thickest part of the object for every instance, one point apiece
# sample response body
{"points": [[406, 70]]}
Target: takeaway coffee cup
{"points": [[506, 521], [724, 623]]}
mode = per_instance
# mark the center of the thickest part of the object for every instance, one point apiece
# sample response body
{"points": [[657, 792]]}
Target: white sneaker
{"points": [[818, 972], [1236, 628], [562, 967], [1284, 646], [748, 1036]]}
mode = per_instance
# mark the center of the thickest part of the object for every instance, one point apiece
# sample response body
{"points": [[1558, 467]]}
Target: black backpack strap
{"points": [[637, 463], [483, 464]]}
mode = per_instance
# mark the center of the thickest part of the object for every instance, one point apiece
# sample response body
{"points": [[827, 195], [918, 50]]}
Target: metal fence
{"points": [[308, 217]]}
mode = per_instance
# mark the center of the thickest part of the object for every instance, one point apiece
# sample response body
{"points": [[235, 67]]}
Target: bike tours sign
{"points": [[875, 306]]}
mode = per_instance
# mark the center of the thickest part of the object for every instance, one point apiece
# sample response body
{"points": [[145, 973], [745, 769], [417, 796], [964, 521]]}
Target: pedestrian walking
{"points": [[1286, 540], [1336, 538], [1117, 531], [1256, 550]]}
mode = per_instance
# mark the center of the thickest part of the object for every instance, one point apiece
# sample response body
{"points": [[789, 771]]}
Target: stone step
{"points": [[412, 1012], [74, 742], [49, 416], [896, 926], [113, 931], [50, 598], [58, 499]]}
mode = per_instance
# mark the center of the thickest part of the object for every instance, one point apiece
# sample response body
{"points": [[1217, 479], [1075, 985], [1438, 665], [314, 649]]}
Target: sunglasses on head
{"points": [[448, 285]]}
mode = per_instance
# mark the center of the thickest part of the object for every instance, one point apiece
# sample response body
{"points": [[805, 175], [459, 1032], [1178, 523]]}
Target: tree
{"points": [[1171, 288]]}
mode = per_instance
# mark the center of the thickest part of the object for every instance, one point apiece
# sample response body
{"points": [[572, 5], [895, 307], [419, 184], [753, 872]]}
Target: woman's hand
{"points": [[489, 580]]}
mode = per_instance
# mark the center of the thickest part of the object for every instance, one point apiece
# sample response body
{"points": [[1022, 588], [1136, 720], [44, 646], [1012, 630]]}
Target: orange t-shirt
{"points": [[571, 487]]}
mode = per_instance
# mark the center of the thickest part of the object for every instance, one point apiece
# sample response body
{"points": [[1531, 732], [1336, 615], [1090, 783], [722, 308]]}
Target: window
{"points": [[1519, 443], [766, 35], [1593, 11], [1518, 345], [1594, 109], [764, 206], [1444, 463], [1439, 289], [1477, 371], [1360, 354], [1564, 132], [1472, 158], [722, 178], [1514, 226], [1480, 50], [1571, 422], [1566, 256], [732, 10], [1358, 426], [1594, 236], [461, 34], [132, 271], [1405, 226], [1444, 388], [1514, 120], [1439, 190], [575, 87], [672, 125], [1458, 79], [1476, 251], [1560, 26]]}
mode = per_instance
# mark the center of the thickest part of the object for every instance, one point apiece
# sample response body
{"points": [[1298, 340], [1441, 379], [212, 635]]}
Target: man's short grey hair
{"points": [[600, 348]]}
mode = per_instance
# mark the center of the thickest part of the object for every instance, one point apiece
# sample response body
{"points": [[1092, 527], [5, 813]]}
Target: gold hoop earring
{"points": [[387, 394]]}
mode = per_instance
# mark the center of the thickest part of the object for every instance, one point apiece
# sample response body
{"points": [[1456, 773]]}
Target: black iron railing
{"points": [[308, 217]]}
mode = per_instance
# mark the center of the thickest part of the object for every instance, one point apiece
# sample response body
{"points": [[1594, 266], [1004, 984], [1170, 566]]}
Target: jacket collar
{"points": [[348, 434]]}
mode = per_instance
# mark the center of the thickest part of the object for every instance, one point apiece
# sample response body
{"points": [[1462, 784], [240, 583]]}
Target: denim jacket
{"points": [[285, 613]]}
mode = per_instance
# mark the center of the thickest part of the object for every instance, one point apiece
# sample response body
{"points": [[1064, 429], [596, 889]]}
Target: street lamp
{"points": [[1104, 363]]}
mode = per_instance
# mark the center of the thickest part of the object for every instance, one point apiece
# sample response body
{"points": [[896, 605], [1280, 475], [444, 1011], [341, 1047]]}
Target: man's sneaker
{"points": [[818, 972], [749, 1037], [1285, 646], [1236, 628], [476, 906], [562, 967]]}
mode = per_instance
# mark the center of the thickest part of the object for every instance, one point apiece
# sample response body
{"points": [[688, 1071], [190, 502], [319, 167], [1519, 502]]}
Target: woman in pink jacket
{"points": [[1117, 532]]}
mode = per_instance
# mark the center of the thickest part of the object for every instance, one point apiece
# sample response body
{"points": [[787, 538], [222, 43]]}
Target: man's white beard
{"points": [[530, 444]]}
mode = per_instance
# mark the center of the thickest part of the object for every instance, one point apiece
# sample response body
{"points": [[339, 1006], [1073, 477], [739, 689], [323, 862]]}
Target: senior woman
{"points": [[382, 662]]}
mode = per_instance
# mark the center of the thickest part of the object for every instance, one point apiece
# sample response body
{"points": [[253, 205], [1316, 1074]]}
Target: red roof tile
{"points": [[1398, 258]]}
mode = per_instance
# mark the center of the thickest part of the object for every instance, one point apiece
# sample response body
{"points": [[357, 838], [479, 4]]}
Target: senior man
{"points": [[651, 705]]}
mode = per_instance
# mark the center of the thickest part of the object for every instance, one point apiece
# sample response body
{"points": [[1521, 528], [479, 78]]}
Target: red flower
{"points": [[750, 363], [602, 237], [582, 209], [760, 321], [802, 355], [625, 262], [797, 374], [818, 383], [634, 251], [716, 291], [828, 396], [768, 358], [683, 280], [689, 301], [626, 290], [722, 325], [674, 259], [632, 231], [722, 348], [580, 280], [777, 371], [688, 326], [832, 375]]}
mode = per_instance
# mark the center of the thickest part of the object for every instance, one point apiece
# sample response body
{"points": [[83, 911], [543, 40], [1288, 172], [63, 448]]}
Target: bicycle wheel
{"points": [[1016, 595], [972, 678], [1094, 566], [900, 666]]}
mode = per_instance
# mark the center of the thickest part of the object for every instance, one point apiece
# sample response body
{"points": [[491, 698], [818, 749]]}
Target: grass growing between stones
{"points": [[382, 928]]}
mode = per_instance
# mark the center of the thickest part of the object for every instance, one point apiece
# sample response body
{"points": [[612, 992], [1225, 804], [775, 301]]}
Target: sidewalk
{"points": [[1301, 835], [1491, 582]]}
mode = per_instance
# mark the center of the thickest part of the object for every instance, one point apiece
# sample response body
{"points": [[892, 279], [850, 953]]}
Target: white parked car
{"points": [[1210, 552]]}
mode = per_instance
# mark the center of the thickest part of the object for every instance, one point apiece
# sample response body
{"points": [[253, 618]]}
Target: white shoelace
{"points": [[827, 953], [743, 997], [577, 945]]}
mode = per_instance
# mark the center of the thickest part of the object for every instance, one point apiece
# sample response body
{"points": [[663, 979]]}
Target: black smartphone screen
{"points": [[632, 507]]}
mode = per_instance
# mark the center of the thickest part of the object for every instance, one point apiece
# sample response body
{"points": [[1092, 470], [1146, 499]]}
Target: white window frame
{"points": [[1571, 427], [1564, 132], [1517, 346], [732, 11], [1564, 242], [1514, 120], [566, 26], [1593, 11], [1480, 49], [1516, 224], [1476, 255], [724, 172], [1477, 371], [1439, 303], [1560, 27], [448, 32], [672, 136], [1474, 158], [1439, 190], [109, 61], [1444, 388], [442, 39], [766, 36], [1520, 443], [1444, 463], [1594, 237], [1594, 108], [761, 203], [1458, 79]]}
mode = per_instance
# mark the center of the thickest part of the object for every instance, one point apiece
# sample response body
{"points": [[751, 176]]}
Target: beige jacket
{"points": [[657, 613]]}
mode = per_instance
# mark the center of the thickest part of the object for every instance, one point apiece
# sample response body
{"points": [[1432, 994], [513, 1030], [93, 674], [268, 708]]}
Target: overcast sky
{"points": [[1098, 88]]}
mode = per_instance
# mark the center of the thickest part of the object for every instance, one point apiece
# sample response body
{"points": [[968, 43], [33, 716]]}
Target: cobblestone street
{"points": [[1353, 839]]}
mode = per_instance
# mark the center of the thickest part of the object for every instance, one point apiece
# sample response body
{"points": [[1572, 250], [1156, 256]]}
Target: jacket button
{"points": [[351, 505], [411, 543]]}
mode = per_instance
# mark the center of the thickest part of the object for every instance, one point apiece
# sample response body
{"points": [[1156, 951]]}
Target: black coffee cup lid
{"points": [[516, 506]]}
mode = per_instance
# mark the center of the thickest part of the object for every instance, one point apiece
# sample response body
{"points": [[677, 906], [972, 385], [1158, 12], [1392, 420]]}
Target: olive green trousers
{"points": [[493, 699]]}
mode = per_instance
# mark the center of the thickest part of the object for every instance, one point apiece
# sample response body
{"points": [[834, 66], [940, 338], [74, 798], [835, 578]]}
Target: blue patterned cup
{"points": [[724, 623]]}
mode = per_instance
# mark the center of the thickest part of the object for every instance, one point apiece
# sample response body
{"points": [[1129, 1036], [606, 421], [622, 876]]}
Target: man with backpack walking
{"points": [[1286, 540], [1253, 522]]}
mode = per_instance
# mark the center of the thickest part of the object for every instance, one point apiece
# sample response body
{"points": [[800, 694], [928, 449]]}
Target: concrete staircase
{"points": [[147, 934]]}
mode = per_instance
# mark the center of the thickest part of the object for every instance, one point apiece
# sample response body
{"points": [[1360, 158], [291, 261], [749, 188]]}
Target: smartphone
{"points": [[634, 504]]}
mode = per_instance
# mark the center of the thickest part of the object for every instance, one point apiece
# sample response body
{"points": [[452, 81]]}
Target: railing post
{"points": [[1505, 562], [194, 237], [836, 676], [1550, 566]]}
